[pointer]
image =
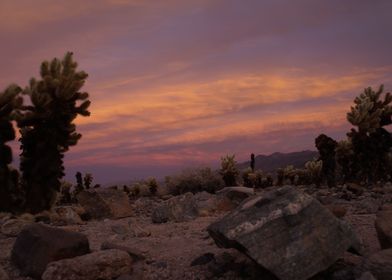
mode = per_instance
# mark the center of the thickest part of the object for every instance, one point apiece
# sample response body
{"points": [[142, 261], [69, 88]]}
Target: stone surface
{"points": [[380, 265], [339, 211], [37, 245], [367, 276], [105, 203], [126, 277], [3, 274], [67, 215], [103, 265], [203, 259], [135, 254], [287, 232], [178, 209], [383, 226], [236, 194], [13, 227]]}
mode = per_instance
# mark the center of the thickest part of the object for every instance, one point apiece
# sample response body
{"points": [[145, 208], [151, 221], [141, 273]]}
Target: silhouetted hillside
{"points": [[273, 161]]}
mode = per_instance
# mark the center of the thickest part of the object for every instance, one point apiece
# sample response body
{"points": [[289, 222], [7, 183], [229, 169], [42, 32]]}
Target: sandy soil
{"points": [[170, 248]]}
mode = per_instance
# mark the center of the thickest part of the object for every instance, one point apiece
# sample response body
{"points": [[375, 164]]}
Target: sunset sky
{"points": [[179, 83]]}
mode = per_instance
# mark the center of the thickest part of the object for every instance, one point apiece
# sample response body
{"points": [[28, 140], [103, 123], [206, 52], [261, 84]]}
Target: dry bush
{"points": [[194, 180]]}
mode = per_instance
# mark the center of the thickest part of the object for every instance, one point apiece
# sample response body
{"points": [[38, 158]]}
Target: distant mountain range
{"points": [[270, 163]]}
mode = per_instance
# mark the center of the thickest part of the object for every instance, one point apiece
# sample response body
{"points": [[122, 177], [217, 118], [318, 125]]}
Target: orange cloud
{"points": [[197, 113]]}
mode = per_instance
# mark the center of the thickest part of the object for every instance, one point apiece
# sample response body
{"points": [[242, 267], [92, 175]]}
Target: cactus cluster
{"points": [[366, 153], [256, 178], [310, 174], [47, 128], [229, 170], [47, 132]]}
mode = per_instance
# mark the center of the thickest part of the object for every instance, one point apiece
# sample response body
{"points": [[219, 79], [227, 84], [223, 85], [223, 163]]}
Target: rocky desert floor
{"points": [[185, 250]]}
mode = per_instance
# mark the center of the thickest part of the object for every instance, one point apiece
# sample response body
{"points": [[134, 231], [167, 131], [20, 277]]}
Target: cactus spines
{"points": [[47, 128], [345, 158], [314, 170], [152, 185], [9, 103], [229, 171], [369, 112], [370, 140]]}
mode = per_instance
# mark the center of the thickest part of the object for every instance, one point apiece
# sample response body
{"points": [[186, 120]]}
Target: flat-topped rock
{"points": [[105, 203], [103, 265], [287, 232]]}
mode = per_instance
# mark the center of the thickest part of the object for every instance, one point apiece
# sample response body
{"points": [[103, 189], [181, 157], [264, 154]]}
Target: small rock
{"points": [[38, 244], [160, 215], [178, 209], [43, 217], [367, 205], [67, 216], [126, 277], [339, 211], [133, 253], [236, 194], [380, 264], [367, 276], [13, 227], [355, 188], [120, 229], [383, 226], [160, 264], [203, 259], [105, 203], [103, 265]]}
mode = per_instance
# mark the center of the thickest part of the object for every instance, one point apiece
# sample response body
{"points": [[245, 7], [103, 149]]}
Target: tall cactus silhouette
{"points": [[370, 140], [47, 128], [326, 147], [9, 102]]}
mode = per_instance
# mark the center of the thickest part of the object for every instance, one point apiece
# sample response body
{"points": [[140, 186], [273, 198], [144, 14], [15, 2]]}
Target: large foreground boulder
{"points": [[105, 203], [37, 245], [383, 226], [287, 232], [103, 265]]}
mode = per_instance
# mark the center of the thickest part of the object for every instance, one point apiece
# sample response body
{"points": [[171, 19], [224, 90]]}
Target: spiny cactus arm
{"points": [[9, 100]]}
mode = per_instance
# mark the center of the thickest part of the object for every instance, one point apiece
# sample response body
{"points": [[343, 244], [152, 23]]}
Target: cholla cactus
{"points": [[152, 185], [326, 147], [314, 169], [47, 128], [345, 159], [247, 178], [371, 141], [229, 171], [88, 180], [289, 173], [369, 112], [9, 102], [280, 176]]}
